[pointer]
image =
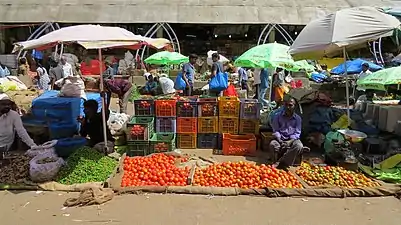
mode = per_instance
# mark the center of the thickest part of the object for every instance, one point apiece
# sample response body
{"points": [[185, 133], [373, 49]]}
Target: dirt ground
{"points": [[32, 208]]}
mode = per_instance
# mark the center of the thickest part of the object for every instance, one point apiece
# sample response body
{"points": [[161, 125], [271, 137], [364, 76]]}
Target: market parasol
{"points": [[91, 37], [270, 55], [378, 80], [166, 58], [335, 33]]}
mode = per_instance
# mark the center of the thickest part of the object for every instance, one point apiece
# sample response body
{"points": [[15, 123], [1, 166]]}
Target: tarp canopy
{"points": [[354, 66], [298, 12], [91, 37]]}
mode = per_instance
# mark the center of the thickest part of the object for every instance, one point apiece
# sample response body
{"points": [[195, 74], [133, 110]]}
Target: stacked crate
{"points": [[163, 140], [229, 110], [208, 123], [249, 117], [140, 128], [187, 122]]}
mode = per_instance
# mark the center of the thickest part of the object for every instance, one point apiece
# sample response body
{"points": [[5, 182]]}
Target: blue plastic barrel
{"points": [[62, 130]]}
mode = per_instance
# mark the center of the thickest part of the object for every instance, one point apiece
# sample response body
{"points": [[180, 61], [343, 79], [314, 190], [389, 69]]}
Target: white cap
{"points": [[4, 97]]}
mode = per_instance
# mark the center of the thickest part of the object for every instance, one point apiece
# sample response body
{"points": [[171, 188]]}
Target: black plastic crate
{"points": [[207, 141], [144, 107], [138, 148], [187, 107]]}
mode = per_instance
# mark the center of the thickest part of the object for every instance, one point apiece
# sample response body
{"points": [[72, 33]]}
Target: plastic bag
{"points": [[8, 86], [328, 142], [219, 82], [100, 147], [179, 82], [230, 91], [47, 147], [73, 87], [42, 171]]}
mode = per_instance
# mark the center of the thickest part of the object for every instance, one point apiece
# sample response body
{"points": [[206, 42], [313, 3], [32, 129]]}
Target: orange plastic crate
{"points": [[208, 125], [239, 144], [187, 125], [166, 108], [229, 106], [186, 141], [228, 125], [248, 126]]}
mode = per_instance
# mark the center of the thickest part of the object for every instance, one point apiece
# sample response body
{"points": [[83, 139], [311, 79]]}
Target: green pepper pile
{"points": [[86, 165]]}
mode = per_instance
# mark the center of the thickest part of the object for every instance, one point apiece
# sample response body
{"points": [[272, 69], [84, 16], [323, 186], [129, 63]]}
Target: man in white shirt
{"points": [[256, 81], [11, 123], [364, 73], [66, 67], [167, 85]]}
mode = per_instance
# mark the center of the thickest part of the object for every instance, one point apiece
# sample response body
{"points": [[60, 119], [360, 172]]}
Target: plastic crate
{"points": [[144, 107], [248, 126], [145, 122], [187, 125], [239, 144], [208, 107], [229, 106], [166, 108], [208, 125], [166, 125], [207, 141], [187, 107], [162, 143], [186, 141], [138, 148], [228, 125], [250, 109]]}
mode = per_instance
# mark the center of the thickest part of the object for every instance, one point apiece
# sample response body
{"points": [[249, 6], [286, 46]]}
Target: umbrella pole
{"points": [[271, 85], [103, 102], [346, 85]]}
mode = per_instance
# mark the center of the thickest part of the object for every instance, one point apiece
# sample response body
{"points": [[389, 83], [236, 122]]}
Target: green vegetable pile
{"points": [[86, 165]]}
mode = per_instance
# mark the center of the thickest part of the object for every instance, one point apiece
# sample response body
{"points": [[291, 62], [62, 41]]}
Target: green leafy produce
{"points": [[134, 94], [86, 165]]}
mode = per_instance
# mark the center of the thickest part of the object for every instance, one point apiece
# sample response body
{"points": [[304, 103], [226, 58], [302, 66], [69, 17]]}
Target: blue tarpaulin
{"points": [[354, 66]]}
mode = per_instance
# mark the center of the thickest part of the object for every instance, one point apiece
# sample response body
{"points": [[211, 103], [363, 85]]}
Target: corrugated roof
{"points": [[176, 11]]}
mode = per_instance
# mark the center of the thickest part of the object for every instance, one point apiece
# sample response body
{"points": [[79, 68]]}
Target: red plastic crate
{"points": [[239, 144], [187, 125], [208, 107], [166, 108]]}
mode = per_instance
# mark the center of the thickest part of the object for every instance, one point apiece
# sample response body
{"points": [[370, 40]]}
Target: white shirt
{"points": [[256, 76], [167, 85], [67, 70], [11, 123], [364, 74]]}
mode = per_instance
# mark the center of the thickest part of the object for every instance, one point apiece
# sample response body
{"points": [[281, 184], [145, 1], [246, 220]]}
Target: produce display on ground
{"points": [[244, 175], [156, 170], [16, 170], [86, 165], [333, 176]]}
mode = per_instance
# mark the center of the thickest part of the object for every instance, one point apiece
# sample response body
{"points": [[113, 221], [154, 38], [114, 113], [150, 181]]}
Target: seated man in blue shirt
{"points": [[286, 132]]}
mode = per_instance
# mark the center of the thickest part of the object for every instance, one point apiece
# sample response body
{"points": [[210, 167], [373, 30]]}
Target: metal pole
{"points": [[346, 84], [103, 102]]}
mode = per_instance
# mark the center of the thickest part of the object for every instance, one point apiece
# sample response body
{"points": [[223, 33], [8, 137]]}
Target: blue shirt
{"points": [[285, 128], [189, 71], [243, 76], [150, 86], [264, 78]]}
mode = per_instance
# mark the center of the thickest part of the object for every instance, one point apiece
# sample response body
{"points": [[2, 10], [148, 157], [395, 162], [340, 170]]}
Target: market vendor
{"points": [[11, 124], [166, 84], [122, 88], [217, 67], [92, 124], [150, 87], [188, 72], [286, 132]]}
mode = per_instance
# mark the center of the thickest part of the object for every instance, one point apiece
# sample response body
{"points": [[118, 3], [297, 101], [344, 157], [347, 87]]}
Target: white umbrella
{"points": [[209, 60], [91, 37], [347, 28]]}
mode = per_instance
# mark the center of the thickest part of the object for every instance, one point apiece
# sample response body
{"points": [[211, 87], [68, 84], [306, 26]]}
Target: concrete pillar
{"points": [[2, 41], [272, 36]]}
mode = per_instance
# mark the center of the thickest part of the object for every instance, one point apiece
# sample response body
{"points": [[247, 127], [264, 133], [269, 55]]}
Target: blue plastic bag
{"points": [[179, 82], [219, 82]]}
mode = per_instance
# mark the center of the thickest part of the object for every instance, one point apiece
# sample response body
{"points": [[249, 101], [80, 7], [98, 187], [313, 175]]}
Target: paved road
{"points": [[32, 208]]}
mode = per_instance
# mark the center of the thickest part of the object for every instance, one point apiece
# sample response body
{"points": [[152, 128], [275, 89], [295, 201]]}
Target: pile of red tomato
{"points": [[244, 175], [137, 131], [145, 104], [155, 170]]}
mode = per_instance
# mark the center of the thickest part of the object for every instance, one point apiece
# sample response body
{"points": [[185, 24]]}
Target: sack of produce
{"points": [[47, 147], [44, 167], [73, 87]]}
